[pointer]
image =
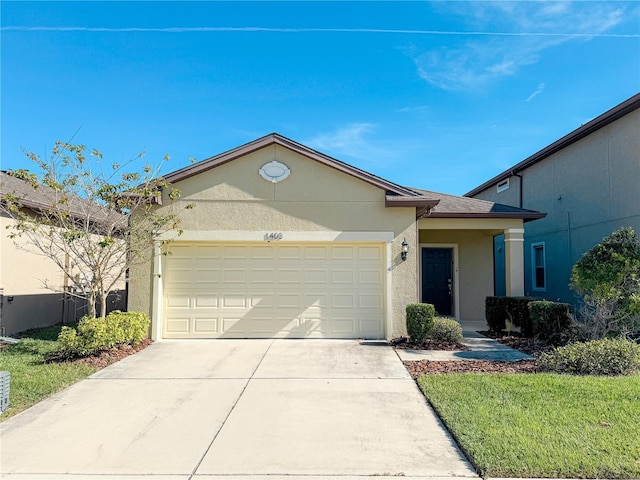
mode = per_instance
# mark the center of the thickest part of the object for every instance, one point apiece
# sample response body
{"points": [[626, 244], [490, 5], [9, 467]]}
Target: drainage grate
{"points": [[5, 380]]}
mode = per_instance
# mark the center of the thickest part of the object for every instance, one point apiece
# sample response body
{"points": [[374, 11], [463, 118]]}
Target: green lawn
{"points": [[31, 379], [542, 425]]}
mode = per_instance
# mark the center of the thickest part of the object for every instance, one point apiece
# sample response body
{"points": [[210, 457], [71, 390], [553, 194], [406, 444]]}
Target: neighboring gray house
{"points": [[588, 183]]}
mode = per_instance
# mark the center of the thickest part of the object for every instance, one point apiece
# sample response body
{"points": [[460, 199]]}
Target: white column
{"points": [[514, 261], [156, 306]]}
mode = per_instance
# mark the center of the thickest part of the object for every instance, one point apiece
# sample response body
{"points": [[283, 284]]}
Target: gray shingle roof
{"points": [[452, 206], [42, 198]]}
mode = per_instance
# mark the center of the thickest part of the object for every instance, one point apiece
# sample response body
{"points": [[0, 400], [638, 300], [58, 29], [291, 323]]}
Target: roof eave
{"points": [[422, 205], [526, 216]]}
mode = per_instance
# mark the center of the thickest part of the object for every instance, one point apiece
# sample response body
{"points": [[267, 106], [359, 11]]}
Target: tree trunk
{"points": [[103, 304], [91, 304]]}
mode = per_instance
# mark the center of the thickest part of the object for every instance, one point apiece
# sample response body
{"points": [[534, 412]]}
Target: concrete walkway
{"points": [[236, 409], [482, 348]]}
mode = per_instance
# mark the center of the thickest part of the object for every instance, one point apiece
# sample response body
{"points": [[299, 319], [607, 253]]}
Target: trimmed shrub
{"points": [[495, 313], [94, 334], [420, 321], [608, 356], [446, 330], [551, 321], [514, 309], [518, 312]]}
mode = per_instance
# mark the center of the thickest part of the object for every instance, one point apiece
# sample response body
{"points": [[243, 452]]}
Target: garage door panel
{"points": [[205, 252], [205, 301], [234, 301], [206, 325], [345, 325], [235, 252], [274, 290], [179, 301], [264, 276], [343, 300], [235, 275], [177, 325], [179, 276], [370, 277], [370, 301], [290, 276], [318, 277], [343, 252], [314, 253], [289, 252], [343, 277]]}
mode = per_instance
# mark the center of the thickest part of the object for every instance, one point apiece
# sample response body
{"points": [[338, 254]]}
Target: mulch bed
{"points": [[514, 340], [103, 358], [469, 366], [518, 342]]}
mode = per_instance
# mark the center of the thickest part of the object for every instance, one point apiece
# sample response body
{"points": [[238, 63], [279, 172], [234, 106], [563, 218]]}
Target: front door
{"points": [[437, 279]]}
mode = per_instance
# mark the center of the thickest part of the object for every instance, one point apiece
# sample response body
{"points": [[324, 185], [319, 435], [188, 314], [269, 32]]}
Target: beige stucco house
{"points": [[285, 241], [34, 290], [588, 182]]}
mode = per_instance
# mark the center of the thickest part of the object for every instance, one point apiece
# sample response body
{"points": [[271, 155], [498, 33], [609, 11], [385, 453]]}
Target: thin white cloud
{"points": [[483, 61], [573, 34], [366, 147], [349, 140], [536, 92]]}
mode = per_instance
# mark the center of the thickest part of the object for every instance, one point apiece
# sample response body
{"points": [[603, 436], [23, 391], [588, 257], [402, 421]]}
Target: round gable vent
{"points": [[274, 171]]}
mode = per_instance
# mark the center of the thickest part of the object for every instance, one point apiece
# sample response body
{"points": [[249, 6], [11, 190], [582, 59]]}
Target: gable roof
{"points": [[396, 195], [597, 123], [276, 139], [427, 203], [452, 206]]}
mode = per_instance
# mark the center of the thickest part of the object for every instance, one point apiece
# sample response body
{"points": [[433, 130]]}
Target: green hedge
{"points": [[609, 356], [446, 330], [495, 313], [420, 321], [551, 321], [94, 334], [516, 309]]}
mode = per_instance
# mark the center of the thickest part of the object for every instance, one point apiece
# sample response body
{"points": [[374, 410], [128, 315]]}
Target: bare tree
{"points": [[92, 225]]}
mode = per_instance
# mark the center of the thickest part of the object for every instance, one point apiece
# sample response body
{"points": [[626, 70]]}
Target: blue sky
{"points": [[436, 95]]}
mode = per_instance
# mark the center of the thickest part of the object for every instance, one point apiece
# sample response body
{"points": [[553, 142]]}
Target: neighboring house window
{"points": [[502, 186], [538, 266]]}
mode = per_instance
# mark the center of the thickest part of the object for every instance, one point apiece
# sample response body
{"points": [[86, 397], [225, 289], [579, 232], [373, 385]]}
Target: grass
{"points": [[33, 380], [542, 425]]}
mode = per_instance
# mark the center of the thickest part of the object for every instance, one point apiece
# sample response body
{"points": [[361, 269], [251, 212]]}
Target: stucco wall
{"points": [[22, 276], [234, 197], [588, 190], [475, 268]]}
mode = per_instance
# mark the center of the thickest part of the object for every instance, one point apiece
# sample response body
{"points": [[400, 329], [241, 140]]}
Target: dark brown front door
{"points": [[437, 279]]}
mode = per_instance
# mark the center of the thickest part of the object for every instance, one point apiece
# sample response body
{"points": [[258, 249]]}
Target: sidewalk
{"points": [[482, 348]]}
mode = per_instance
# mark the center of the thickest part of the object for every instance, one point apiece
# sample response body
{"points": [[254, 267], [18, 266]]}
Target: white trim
{"points": [[287, 236], [502, 186], [274, 171], [533, 266], [157, 320], [456, 276], [388, 297]]}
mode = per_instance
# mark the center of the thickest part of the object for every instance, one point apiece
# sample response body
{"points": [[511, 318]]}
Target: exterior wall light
{"points": [[405, 250]]}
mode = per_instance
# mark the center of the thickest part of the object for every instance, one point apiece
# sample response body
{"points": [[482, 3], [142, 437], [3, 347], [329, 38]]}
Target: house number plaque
{"points": [[273, 236]]}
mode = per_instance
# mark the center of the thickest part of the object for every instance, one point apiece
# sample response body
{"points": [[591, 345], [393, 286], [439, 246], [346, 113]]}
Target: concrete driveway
{"points": [[245, 409]]}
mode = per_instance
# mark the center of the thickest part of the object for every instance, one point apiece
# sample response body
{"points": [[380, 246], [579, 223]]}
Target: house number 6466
{"points": [[273, 236]]}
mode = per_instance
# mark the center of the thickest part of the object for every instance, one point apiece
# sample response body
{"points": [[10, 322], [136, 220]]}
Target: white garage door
{"points": [[273, 290]]}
